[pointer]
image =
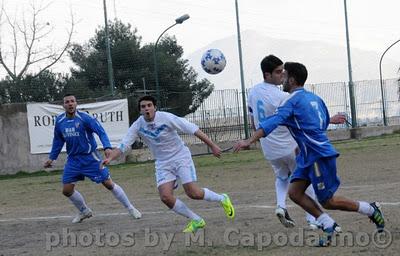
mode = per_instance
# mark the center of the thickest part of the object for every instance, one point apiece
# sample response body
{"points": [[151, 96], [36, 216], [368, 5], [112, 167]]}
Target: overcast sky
{"points": [[373, 24]]}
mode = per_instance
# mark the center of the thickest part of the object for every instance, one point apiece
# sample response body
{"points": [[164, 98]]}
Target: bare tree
{"points": [[27, 49]]}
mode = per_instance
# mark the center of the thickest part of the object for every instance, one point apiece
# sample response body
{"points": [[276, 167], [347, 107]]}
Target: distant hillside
{"points": [[325, 62]]}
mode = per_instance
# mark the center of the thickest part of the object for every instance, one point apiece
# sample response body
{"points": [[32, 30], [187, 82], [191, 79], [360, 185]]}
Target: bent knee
{"points": [[67, 192], [167, 199], [329, 204]]}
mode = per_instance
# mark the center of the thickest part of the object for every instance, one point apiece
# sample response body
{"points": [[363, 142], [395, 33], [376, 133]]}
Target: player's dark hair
{"points": [[69, 94], [269, 63], [147, 98], [297, 71]]}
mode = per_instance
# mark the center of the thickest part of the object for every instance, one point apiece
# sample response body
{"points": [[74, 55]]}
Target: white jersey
{"points": [[263, 100], [161, 136]]}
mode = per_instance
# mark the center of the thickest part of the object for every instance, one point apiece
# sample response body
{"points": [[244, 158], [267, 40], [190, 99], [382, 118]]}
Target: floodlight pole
{"points": [[109, 59], [351, 84], [246, 123], [179, 20], [381, 83]]}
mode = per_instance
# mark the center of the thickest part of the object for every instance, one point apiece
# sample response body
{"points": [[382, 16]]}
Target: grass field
{"points": [[35, 218]]}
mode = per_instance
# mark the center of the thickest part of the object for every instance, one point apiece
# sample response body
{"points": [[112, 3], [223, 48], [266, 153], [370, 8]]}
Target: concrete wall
{"points": [[14, 142], [15, 146]]}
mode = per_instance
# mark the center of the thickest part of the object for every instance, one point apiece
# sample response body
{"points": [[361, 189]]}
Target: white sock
{"points": [[212, 196], [326, 220], [182, 209], [281, 188], [310, 192], [77, 200], [120, 195], [365, 208]]}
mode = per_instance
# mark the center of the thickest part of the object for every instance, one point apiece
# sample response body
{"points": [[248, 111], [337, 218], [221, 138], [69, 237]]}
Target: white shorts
{"points": [[284, 166], [179, 169]]}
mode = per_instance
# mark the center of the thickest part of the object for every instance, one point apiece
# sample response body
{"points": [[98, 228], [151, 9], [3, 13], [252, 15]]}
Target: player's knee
{"points": [[293, 195], [329, 204], [167, 199], [67, 192]]}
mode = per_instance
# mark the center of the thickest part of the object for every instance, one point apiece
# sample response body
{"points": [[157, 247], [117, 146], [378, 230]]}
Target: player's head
{"points": [[70, 104], [147, 105], [295, 75], [272, 69]]}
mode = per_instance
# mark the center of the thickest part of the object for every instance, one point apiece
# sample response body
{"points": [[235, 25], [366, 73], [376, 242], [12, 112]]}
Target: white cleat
{"points": [[313, 225], [284, 217], [83, 215], [134, 213]]}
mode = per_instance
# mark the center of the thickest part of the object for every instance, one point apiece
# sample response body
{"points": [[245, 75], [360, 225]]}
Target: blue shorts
{"points": [[80, 166], [322, 176]]}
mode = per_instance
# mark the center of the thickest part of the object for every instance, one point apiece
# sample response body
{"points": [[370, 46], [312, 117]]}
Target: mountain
{"points": [[325, 62]]}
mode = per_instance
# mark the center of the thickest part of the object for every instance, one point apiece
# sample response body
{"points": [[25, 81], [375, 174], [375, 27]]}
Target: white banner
{"points": [[112, 115]]}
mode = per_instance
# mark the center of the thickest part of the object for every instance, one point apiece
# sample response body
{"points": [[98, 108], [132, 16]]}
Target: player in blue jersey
{"points": [[307, 118], [75, 129]]}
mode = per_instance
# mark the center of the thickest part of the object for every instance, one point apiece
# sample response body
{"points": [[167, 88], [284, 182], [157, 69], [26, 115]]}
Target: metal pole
{"points": [[109, 60], [381, 83], [246, 124], [156, 66], [351, 85], [179, 20]]}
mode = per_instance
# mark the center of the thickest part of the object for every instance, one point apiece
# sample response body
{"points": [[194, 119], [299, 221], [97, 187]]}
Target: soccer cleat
{"points": [[327, 235], [377, 217], [86, 214], [228, 207], [194, 225], [313, 225], [134, 213], [337, 228], [284, 217]]}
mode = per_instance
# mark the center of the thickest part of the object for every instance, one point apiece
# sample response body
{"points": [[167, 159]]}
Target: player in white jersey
{"points": [[279, 146], [173, 160]]}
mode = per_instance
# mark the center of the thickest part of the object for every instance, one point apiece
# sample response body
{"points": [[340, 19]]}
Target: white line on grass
{"points": [[154, 212]]}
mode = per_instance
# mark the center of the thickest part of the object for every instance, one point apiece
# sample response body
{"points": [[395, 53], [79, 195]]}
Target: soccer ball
{"points": [[213, 61]]}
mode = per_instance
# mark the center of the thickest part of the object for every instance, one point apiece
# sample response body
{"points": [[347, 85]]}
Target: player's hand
{"points": [[216, 151], [106, 161], [48, 163], [107, 152], [338, 119], [240, 145]]}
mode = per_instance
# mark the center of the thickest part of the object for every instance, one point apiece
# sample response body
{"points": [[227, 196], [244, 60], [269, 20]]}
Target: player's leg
{"points": [[187, 173], [326, 168], [100, 174], [70, 176], [120, 195], [165, 191], [297, 194], [282, 168]]}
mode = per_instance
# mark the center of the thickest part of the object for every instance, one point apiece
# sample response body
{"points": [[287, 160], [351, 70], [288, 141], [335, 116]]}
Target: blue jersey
{"points": [[77, 133], [307, 118]]}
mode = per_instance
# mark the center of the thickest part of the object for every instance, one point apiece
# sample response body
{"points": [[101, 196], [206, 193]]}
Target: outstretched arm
{"points": [[246, 143], [214, 147], [112, 155]]}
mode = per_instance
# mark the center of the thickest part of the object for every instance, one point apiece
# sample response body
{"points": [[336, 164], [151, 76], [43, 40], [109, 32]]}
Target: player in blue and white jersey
{"points": [[76, 129], [307, 118], [173, 160], [279, 146]]}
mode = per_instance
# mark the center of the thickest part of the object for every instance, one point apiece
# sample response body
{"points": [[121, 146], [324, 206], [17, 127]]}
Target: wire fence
{"points": [[221, 115]]}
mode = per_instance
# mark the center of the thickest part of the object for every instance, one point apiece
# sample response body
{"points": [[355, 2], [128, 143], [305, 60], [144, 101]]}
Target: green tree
{"points": [[133, 68]]}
